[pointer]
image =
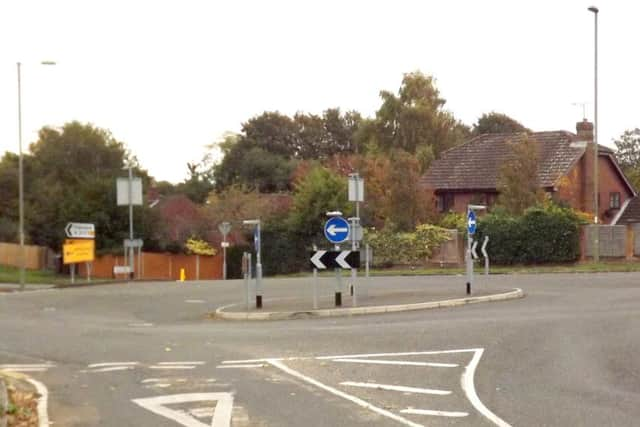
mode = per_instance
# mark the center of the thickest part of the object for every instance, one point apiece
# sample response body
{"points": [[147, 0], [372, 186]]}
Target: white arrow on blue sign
{"points": [[336, 230], [471, 222]]}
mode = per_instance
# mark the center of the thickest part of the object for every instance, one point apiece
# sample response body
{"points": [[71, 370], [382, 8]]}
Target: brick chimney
{"points": [[585, 133]]}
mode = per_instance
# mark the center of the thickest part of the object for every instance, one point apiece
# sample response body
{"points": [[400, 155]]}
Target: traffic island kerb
{"points": [[221, 312]]}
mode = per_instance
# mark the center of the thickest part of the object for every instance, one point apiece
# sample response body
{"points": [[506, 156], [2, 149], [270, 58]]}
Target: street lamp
{"points": [[21, 176], [596, 240]]}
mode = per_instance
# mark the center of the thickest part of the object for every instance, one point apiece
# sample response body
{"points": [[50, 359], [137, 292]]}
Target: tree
{"points": [[628, 149], [415, 117], [199, 183], [394, 196], [497, 123], [317, 193], [70, 175], [518, 180]]}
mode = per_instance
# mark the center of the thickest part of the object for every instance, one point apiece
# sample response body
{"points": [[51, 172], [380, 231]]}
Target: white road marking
{"points": [[33, 367], [171, 367], [111, 369], [396, 388], [409, 353], [256, 365], [278, 364], [221, 416], [468, 386], [194, 301], [181, 363], [434, 413], [43, 413], [104, 365], [397, 362], [140, 325], [154, 380]]}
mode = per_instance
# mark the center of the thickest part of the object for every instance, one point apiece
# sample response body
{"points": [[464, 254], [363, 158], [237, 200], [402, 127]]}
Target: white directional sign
{"points": [[222, 408], [79, 230]]}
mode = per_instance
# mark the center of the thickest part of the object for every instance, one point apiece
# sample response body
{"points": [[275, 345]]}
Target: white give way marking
{"points": [[466, 382], [221, 411]]}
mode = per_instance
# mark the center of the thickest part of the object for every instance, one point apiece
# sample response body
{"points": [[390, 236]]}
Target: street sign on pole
{"points": [[78, 250], [335, 259], [133, 243], [336, 229], [122, 191], [471, 222], [224, 227], [356, 188], [79, 230]]}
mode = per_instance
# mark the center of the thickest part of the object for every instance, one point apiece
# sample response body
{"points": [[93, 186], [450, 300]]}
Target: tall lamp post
{"points": [[596, 240], [21, 176]]}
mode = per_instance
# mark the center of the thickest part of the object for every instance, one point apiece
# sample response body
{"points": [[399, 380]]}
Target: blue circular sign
{"points": [[471, 222], [336, 230]]}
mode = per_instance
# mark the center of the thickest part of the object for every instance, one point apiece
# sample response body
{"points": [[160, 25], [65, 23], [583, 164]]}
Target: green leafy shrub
{"points": [[392, 248], [547, 234], [454, 221]]}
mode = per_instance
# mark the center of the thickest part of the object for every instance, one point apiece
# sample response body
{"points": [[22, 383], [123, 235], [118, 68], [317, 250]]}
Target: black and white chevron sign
{"points": [[335, 259]]}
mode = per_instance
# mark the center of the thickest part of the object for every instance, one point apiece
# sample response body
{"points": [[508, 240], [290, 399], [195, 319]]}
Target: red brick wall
{"points": [[576, 190]]}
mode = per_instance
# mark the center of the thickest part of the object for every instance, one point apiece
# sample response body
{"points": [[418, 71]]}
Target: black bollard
{"points": [[338, 299], [258, 301], [468, 288]]}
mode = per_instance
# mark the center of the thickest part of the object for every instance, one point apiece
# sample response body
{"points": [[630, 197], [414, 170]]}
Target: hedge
{"points": [[542, 235]]}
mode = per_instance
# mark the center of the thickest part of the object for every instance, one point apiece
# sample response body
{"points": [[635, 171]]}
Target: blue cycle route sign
{"points": [[471, 222], [336, 230]]}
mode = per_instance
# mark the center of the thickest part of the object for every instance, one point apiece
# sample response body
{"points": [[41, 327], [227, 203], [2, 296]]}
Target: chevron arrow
{"points": [[316, 260], [340, 259], [484, 246], [473, 249]]}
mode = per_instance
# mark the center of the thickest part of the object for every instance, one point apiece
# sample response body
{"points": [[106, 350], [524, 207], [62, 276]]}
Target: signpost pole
{"points": [[224, 228], [131, 250], [72, 269], [315, 283], [354, 271], [338, 292]]}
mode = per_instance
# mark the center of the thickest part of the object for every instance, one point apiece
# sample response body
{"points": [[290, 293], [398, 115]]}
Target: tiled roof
{"points": [[631, 213], [476, 164]]}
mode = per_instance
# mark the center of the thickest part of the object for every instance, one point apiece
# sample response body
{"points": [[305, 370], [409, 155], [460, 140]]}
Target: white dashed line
{"points": [[260, 365], [171, 367], [34, 367], [434, 413], [181, 363], [397, 362], [108, 364], [194, 301], [396, 388]]}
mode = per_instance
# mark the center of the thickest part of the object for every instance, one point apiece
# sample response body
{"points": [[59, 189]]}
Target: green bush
{"points": [[391, 247], [548, 234]]}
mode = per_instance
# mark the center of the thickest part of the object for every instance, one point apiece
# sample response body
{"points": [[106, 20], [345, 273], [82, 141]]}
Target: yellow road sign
{"points": [[78, 250]]}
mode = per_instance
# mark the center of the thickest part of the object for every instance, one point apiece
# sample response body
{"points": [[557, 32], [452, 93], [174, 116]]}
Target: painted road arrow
{"points": [[335, 259]]}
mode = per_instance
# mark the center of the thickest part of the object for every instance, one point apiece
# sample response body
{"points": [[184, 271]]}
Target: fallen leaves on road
{"points": [[22, 410]]}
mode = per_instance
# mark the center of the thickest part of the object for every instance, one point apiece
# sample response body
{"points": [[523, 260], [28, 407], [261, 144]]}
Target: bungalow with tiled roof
{"points": [[469, 173]]}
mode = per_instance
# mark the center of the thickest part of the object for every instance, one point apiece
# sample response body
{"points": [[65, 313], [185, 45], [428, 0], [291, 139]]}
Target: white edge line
{"points": [[468, 386], [103, 365], [396, 362], [434, 413], [181, 363], [400, 388], [154, 380], [256, 365], [278, 364], [43, 415]]}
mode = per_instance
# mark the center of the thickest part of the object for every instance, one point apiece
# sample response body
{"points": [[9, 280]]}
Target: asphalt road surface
{"points": [[147, 355]]}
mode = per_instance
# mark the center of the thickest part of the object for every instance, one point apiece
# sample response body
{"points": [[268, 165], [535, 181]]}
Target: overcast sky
{"points": [[170, 77]]}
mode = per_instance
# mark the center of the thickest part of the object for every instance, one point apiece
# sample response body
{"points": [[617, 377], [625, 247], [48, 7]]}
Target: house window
{"points": [[614, 200], [445, 202]]}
